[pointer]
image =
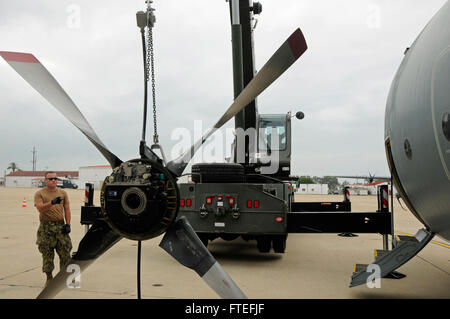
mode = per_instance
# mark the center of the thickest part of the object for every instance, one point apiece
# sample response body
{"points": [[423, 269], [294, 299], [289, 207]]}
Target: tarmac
{"points": [[314, 266]]}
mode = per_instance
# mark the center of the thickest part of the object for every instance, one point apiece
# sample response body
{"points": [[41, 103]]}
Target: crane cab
{"points": [[273, 156]]}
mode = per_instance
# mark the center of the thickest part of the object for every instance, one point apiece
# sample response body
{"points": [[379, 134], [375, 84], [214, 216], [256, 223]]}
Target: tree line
{"points": [[333, 183]]}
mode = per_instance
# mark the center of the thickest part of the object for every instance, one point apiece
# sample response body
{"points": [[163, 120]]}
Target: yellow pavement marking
{"points": [[434, 242]]}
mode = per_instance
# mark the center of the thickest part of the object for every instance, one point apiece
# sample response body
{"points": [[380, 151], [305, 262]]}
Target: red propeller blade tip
{"points": [[297, 43], [18, 57]]}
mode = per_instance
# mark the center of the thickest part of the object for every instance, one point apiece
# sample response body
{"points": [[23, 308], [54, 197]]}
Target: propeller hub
{"points": [[134, 201], [139, 199]]}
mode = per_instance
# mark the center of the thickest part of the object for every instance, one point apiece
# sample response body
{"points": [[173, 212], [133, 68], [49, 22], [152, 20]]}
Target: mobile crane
{"points": [[252, 196]]}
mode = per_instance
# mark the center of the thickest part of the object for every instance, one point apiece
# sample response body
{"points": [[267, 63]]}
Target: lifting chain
{"points": [[151, 66]]}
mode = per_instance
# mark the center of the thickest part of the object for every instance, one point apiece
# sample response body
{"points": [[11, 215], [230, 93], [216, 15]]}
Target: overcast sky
{"points": [[93, 49]]}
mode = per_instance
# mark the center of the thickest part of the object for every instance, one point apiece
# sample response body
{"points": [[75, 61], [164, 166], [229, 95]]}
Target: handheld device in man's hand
{"points": [[57, 200]]}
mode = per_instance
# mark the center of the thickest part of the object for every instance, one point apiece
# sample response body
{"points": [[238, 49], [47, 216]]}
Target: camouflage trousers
{"points": [[49, 239]]}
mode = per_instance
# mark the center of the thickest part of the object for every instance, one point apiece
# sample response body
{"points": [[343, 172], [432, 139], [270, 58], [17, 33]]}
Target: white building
{"points": [[29, 178], [372, 188], [368, 189], [359, 191], [94, 175], [310, 189]]}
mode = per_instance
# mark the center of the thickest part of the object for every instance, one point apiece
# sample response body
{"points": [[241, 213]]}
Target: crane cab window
{"points": [[272, 124]]}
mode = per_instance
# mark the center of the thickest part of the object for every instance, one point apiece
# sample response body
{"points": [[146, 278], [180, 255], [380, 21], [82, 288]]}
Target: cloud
{"points": [[341, 83]]}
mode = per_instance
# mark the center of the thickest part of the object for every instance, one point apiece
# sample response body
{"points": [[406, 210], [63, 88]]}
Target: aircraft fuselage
{"points": [[417, 125]]}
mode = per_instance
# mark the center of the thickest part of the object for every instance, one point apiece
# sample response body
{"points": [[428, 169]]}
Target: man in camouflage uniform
{"points": [[53, 233]]}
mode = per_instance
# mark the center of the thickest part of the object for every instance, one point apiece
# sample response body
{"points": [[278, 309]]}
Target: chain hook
{"points": [[151, 19], [150, 67]]}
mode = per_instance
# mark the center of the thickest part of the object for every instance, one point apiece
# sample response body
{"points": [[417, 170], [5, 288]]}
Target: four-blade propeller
{"points": [[180, 240]]}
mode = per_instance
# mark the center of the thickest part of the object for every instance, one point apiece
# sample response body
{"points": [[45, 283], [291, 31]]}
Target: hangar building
{"points": [[94, 175], [31, 178]]}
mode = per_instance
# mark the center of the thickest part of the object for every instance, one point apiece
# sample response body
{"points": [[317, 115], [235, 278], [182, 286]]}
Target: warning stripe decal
{"points": [[18, 57]]}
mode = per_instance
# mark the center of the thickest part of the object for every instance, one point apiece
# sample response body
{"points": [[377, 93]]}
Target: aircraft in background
{"points": [[371, 178]]}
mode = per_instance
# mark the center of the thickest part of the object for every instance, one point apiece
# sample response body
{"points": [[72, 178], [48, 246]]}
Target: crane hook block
{"points": [[141, 19], [257, 8]]}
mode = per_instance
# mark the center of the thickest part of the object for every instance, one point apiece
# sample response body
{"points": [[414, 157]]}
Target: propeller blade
{"points": [[283, 58], [182, 243], [42, 81], [97, 240]]}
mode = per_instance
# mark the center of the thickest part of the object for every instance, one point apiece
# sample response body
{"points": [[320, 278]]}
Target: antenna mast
{"points": [[34, 161]]}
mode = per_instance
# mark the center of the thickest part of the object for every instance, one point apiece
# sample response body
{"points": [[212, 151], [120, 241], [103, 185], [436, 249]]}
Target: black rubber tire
{"points": [[218, 173], [264, 245], [279, 244]]}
